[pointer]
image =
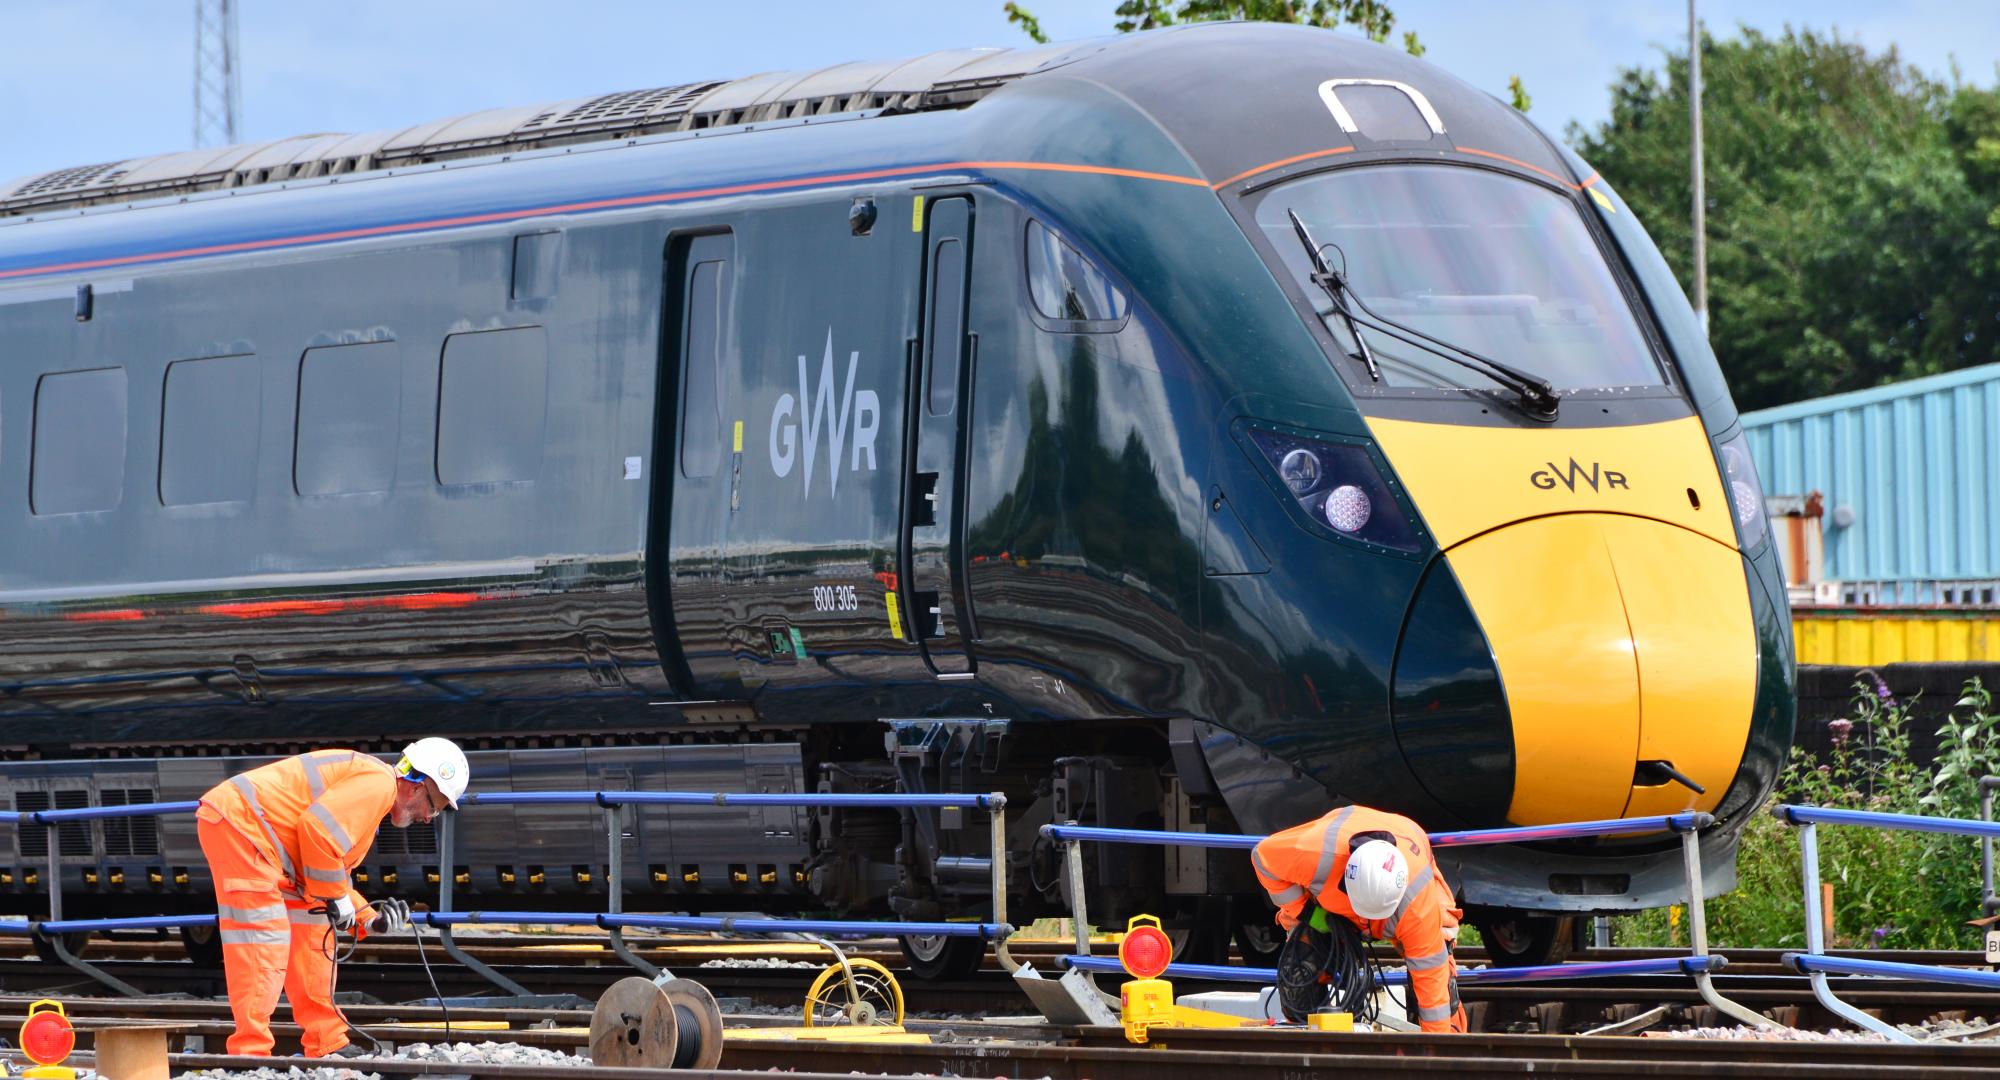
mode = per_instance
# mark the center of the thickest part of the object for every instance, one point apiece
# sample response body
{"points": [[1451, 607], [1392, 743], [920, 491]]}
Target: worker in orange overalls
{"points": [[280, 841], [1373, 869]]}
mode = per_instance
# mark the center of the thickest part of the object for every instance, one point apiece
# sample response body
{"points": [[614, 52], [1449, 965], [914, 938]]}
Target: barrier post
{"points": [[55, 941], [1988, 902], [1698, 937], [614, 877], [1816, 940], [447, 848], [1073, 866], [996, 816]]}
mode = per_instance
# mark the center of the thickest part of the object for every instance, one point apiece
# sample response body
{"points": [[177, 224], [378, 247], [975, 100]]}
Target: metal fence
{"points": [[613, 921], [1816, 965], [1700, 964]]}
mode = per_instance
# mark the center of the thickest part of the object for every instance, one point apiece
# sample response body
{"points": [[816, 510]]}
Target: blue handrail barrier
{"points": [[614, 921], [1815, 964], [1700, 964]]}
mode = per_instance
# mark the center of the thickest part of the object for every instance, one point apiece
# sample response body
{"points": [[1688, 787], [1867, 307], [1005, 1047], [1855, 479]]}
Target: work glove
{"points": [[390, 917], [340, 912]]}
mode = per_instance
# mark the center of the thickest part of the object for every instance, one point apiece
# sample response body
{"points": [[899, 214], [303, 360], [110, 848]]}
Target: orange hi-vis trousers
{"points": [[269, 943]]}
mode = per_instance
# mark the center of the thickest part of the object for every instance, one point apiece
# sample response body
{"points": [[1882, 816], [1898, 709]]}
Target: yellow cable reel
{"points": [[871, 998]]}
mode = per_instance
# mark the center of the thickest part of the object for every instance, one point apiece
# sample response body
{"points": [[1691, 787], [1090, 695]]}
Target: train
{"points": [[1193, 429]]}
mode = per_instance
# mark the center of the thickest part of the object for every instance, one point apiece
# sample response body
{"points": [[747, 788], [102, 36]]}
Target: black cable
{"points": [[435, 992], [1354, 972], [329, 947]]}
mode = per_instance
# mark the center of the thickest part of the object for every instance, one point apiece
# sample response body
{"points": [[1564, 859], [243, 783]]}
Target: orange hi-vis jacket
{"points": [[315, 814], [1308, 862]]}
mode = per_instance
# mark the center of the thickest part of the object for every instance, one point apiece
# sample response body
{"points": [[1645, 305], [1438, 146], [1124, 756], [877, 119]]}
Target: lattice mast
{"points": [[218, 79]]}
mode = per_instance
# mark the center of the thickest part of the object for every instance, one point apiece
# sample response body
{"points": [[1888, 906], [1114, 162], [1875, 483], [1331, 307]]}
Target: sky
{"points": [[87, 81]]}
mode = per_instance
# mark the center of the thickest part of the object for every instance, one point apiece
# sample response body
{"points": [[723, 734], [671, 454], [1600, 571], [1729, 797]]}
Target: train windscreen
{"points": [[1498, 266]]}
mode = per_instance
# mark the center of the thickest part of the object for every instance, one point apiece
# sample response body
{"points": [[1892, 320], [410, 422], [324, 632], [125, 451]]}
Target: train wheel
{"points": [[1517, 939], [1201, 936], [1260, 943], [74, 943], [203, 945], [934, 956]]}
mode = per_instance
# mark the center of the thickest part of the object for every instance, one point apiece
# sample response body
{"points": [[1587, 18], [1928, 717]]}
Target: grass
{"points": [[1891, 889]]}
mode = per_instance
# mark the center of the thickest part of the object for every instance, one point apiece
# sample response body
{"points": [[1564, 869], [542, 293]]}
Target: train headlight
{"points": [[1338, 485], [1746, 492], [1347, 508], [1299, 469]]}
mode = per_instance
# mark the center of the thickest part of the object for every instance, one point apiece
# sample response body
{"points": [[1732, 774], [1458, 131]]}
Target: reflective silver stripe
{"points": [[251, 914], [314, 780], [1426, 963], [1329, 846], [1288, 894], [249, 791], [331, 877], [333, 828], [256, 937], [1257, 860], [1417, 886], [1434, 1013], [305, 916]]}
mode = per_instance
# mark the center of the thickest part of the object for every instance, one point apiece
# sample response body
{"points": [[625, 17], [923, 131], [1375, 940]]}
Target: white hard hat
{"points": [[1377, 876], [442, 761]]}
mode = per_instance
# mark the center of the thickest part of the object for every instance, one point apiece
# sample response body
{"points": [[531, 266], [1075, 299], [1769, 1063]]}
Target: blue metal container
{"points": [[1910, 474]]}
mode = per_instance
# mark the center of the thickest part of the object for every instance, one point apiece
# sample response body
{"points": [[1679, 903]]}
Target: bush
{"points": [[1892, 889]]}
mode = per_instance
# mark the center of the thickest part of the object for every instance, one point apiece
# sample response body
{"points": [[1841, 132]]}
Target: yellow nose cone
{"points": [[1618, 640]]}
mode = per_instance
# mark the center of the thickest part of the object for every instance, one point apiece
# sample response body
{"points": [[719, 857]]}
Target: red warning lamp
{"points": [[47, 1038], [1146, 950]]}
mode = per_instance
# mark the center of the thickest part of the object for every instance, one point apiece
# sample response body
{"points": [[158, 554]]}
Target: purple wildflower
{"points": [[1839, 729]]}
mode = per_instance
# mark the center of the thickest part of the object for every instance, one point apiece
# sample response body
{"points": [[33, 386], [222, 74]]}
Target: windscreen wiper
{"points": [[1534, 391]]}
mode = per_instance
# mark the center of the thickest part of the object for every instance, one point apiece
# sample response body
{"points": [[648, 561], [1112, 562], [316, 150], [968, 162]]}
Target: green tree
{"points": [[1371, 17], [1851, 204]]}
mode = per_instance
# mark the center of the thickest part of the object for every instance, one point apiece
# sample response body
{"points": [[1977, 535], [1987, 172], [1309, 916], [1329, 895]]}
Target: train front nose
{"points": [[1572, 650], [1624, 649]]}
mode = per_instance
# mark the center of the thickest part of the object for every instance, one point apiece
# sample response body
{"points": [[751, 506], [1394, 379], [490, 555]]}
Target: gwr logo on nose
{"points": [[1548, 478]]}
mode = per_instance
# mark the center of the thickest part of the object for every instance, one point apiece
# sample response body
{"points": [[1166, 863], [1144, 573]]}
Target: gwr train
{"points": [[1200, 428]]}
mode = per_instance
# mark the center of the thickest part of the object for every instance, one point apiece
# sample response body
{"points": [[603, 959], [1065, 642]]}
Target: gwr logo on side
{"points": [[1548, 478]]}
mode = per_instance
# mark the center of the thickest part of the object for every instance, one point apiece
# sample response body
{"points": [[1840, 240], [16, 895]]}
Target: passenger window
{"points": [[1066, 286], [208, 430], [79, 442], [492, 401], [350, 398]]}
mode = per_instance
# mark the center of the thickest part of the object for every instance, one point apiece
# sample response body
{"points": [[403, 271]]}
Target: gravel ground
{"points": [[482, 1053], [763, 962], [1974, 1028]]}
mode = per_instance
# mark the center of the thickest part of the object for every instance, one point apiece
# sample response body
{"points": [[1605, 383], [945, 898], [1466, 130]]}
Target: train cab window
{"points": [[492, 401], [1500, 265], [350, 401], [79, 442], [209, 420], [1067, 288]]}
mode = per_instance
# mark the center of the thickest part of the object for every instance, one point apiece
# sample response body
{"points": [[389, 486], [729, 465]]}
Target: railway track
{"points": [[579, 965], [986, 1047]]}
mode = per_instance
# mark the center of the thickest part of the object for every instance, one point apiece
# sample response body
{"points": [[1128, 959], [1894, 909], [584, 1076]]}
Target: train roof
{"points": [[1234, 95]]}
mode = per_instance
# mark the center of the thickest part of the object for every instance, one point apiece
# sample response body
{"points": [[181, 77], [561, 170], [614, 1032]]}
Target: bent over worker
{"points": [[280, 841], [1375, 870]]}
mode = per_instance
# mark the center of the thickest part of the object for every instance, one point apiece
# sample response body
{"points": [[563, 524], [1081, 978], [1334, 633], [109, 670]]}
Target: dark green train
{"points": [[1193, 429]]}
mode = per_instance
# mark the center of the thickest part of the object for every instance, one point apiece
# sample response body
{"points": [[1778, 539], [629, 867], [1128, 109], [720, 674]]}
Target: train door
{"points": [[933, 529], [692, 473]]}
